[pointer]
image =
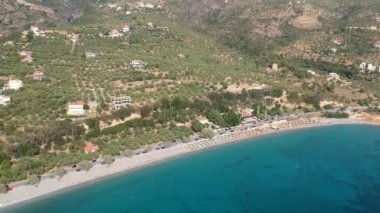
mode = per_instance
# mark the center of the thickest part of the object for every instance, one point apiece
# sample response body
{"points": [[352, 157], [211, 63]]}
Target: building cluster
{"points": [[369, 67]]}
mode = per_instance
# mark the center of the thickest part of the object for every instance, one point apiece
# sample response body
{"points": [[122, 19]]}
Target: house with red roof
{"points": [[76, 108], [90, 148], [38, 75], [247, 117]]}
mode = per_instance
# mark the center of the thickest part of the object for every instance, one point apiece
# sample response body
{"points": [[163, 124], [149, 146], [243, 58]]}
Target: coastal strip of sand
{"points": [[46, 186]]}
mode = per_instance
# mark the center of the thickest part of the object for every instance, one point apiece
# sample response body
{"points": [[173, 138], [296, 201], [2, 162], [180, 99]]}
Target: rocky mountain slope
{"points": [[18, 14]]}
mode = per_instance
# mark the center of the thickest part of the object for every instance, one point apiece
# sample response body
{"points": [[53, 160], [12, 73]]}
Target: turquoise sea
{"points": [[323, 170]]}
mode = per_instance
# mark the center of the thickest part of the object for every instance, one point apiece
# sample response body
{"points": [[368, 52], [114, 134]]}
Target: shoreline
{"points": [[27, 193]]}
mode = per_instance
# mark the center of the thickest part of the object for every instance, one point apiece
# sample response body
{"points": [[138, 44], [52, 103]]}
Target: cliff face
{"points": [[19, 14], [204, 7]]}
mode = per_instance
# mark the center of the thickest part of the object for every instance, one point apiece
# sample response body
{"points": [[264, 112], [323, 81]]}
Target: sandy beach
{"points": [[50, 185]]}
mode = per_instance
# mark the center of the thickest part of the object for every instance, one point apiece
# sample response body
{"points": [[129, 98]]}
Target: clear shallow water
{"points": [[330, 169]]}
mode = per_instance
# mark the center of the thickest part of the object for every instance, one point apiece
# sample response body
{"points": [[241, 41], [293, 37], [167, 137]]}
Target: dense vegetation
{"points": [[190, 74]]}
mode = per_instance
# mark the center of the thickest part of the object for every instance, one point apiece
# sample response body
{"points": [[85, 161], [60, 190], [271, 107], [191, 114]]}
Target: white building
{"points": [[4, 100], [138, 64], [121, 101], [150, 26], [311, 72], [15, 84], [90, 55], [115, 34], [76, 108], [37, 32], [371, 67], [333, 77], [363, 66], [125, 29]]}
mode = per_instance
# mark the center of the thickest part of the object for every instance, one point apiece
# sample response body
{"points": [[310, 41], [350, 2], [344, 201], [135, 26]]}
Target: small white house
{"points": [[274, 67], [76, 108], [90, 55], [4, 100], [333, 77], [15, 84], [138, 64], [311, 72], [363, 66], [371, 67], [125, 29], [37, 32], [150, 26], [115, 34]]}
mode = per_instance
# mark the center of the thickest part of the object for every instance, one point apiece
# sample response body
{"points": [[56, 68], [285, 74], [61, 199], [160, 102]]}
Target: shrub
{"points": [[207, 133], [60, 172], [85, 165], [3, 188], [108, 159], [33, 179]]}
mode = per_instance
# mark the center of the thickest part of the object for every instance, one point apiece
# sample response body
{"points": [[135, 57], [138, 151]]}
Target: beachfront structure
{"points": [[138, 64], [119, 102], [76, 108], [90, 148], [38, 75], [15, 84], [4, 100], [247, 117]]}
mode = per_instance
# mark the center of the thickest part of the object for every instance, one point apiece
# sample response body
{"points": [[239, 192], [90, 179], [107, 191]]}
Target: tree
{"points": [[33, 179], [128, 153], [85, 165], [232, 119], [108, 159], [3, 188], [123, 112], [196, 126], [60, 172], [30, 36], [215, 117], [145, 111], [207, 133]]}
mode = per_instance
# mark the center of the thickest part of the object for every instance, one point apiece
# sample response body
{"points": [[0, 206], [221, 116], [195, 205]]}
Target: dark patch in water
{"points": [[367, 199]]}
